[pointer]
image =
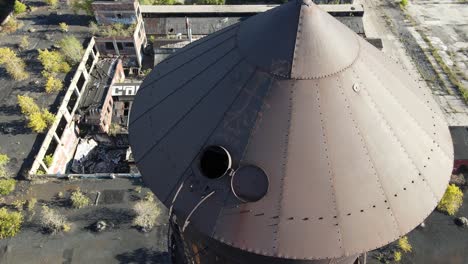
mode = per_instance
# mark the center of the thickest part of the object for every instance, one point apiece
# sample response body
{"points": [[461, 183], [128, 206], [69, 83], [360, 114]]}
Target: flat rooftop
{"points": [[236, 9]]}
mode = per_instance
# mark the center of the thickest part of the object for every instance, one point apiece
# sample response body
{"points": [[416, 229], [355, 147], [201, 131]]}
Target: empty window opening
{"points": [[119, 45], [109, 45], [215, 162]]}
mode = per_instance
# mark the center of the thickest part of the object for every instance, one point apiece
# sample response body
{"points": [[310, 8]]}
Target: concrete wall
{"points": [[63, 152]]}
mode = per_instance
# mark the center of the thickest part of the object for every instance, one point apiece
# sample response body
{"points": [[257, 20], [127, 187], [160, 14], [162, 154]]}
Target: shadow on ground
{"points": [[144, 256]]}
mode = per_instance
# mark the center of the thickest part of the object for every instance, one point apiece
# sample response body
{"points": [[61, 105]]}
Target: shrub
{"points": [[451, 201], [10, 223], [4, 159], [146, 214], [14, 65], [24, 44], [53, 85], [81, 5], [71, 49], [11, 26], [397, 256], [48, 159], [19, 7], [63, 27], [403, 3], [19, 204], [79, 200], [52, 221], [52, 3], [404, 244], [7, 186], [93, 28], [31, 203]]}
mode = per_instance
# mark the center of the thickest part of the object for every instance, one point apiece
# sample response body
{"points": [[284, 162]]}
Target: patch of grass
{"points": [[7, 186], [31, 204], [79, 200], [10, 223], [451, 201]]}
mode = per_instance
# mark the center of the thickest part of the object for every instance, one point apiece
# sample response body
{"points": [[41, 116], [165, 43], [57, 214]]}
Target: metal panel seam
{"points": [[409, 114], [398, 140], [364, 145], [330, 171], [190, 110], [297, 41]]}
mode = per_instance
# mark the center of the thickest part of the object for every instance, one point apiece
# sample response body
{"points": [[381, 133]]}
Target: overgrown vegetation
{"points": [[4, 159], [397, 256], [53, 63], [157, 2], [81, 5], [13, 64], [147, 213], [10, 223], [403, 3], [19, 8], [7, 186], [210, 2], [19, 204], [79, 200], [24, 43], [31, 204], [52, 221], [117, 30], [63, 27], [72, 49], [404, 244], [11, 25], [52, 3], [38, 119], [451, 201], [53, 85], [48, 159]]}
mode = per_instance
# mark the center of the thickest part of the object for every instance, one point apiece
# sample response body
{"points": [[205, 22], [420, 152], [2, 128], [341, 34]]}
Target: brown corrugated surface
{"points": [[356, 152]]}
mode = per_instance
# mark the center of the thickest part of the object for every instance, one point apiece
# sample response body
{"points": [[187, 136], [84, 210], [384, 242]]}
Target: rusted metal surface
{"points": [[356, 153]]}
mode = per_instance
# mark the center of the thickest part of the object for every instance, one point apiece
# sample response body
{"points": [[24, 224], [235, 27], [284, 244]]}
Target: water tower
{"points": [[287, 138]]}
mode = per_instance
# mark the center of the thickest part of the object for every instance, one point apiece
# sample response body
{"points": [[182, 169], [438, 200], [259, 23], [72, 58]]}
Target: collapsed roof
{"points": [[288, 135]]}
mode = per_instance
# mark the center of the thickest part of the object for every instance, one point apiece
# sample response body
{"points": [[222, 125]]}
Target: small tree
{"points": [[37, 123], [7, 186], [27, 105], [4, 159], [10, 223], [72, 49], [53, 62], [63, 27], [52, 221], [24, 44], [19, 7], [79, 200], [397, 256], [452, 200], [403, 3], [31, 203], [52, 3], [13, 65], [53, 85]]}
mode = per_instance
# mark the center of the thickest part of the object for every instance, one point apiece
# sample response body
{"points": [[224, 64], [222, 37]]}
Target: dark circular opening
{"points": [[171, 30], [215, 161]]}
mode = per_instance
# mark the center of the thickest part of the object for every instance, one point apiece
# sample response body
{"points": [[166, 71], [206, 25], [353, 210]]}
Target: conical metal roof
{"points": [[355, 152]]}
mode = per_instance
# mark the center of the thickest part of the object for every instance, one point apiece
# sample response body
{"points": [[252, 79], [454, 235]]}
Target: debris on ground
{"points": [[461, 221]]}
